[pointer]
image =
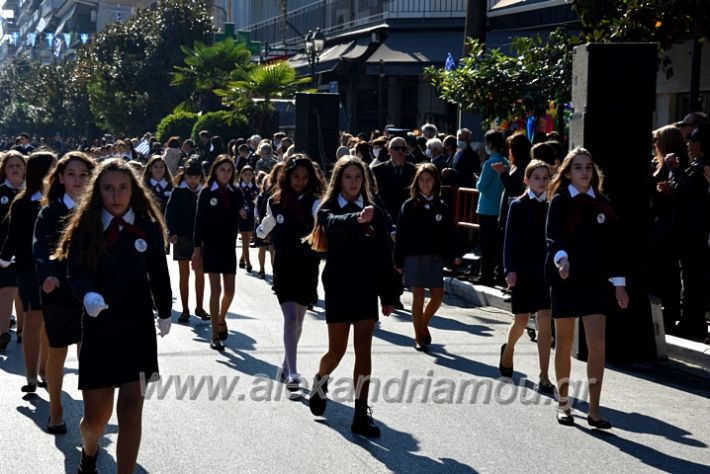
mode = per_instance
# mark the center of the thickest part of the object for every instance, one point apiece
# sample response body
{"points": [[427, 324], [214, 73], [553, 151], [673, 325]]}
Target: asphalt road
{"points": [[443, 411]]}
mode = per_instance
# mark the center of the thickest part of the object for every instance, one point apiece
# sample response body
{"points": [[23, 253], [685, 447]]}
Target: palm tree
{"points": [[255, 93], [210, 67]]}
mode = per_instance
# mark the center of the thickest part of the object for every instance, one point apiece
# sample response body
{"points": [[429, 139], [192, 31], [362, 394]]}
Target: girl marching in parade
{"points": [[525, 249], [12, 179], [23, 213], [290, 214], [268, 186], [219, 207], [426, 236], [114, 245], [61, 309], [358, 270], [180, 221], [249, 191], [157, 178], [583, 258]]}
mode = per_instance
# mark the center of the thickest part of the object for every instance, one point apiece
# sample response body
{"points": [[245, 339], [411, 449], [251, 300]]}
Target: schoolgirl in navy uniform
{"points": [[12, 179], [60, 308], [114, 246], [249, 191], [219, 207], [290, 214], [358, 270], [426, 236], [157, 178], [525, 250], [18, 243], [268, 186], [583, 257], [180, 221]]}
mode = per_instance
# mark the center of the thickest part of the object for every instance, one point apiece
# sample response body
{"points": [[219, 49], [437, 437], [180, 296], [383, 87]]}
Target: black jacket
{"points": [[18, 242], [7, 195], [513, 186], [525, 247], [425, 228], [464, 163], [213, 221], [180, 212], [394, 188], [161, 195], [692, 204], [587, 229], [51, 221]]}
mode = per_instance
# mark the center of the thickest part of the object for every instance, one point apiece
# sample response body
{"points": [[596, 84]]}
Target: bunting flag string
{"points": [[46, 39]]}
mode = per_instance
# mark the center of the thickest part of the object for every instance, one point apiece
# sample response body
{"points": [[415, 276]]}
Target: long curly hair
{"points": [[85, 225], [561, 180], [53, 188], [315, 185]]}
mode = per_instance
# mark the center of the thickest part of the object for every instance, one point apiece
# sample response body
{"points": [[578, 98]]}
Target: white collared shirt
{"points": [[574, 191], [542, 198], [184, 185], [36, 196], [163, 183], [427, 198], [359, 202], [107, 217], [68, 201], [9, 184], [215, 186]]}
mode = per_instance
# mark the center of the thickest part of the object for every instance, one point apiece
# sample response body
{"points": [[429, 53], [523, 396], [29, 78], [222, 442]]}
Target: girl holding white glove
{"points": [[114, 245]]}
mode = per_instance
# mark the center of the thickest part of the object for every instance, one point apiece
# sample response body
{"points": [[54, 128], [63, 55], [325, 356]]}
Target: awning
{"points": [[408, 53], [327, 61], [358, 49]]}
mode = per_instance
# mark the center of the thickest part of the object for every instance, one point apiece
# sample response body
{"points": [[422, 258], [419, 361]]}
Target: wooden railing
{"points": [[463, 202]]}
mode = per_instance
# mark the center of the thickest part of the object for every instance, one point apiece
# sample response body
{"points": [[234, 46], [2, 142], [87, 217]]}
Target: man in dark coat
{"points": [[464, 164], [394, 177]]}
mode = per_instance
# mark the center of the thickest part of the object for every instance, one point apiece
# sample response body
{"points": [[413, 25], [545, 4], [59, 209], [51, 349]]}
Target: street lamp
{"points": [[315, 42]]}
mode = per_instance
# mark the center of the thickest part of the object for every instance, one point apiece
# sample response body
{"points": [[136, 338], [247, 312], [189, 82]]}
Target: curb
{"points": [[696, 355]]}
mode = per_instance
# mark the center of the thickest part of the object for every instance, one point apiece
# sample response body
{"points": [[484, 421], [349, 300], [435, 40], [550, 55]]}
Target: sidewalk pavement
{"points": [[689, 355]]}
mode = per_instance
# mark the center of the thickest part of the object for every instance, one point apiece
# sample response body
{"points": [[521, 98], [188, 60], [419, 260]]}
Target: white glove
{"points": [[94, 304], [5, 263], [164, 326]]}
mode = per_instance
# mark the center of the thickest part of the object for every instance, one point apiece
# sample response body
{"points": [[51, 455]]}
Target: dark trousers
{"points": [[694, 262], [491, 248], [664, 281]]}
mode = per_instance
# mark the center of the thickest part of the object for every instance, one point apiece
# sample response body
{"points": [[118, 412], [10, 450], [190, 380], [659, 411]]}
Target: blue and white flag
{"points": [[450, 63], [143, 147]]}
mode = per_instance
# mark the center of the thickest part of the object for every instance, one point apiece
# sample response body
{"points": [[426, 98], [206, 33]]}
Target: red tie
{"points": [[114, 230], [223, 193]]}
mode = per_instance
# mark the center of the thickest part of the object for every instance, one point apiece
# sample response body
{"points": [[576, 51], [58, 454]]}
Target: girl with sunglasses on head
{"points": [[114, 245], [358, 270], [219, 207], [60, 308], [180, 220], [290, 218]]}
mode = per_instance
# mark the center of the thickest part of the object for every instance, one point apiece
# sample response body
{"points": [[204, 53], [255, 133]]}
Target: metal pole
{"points": [[694, 102], [380, 94]]}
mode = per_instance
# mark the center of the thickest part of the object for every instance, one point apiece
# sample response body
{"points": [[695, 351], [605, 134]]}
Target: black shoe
{"points": [[427, 339], [504, 371], [4, 341], [223, 335], [249, 268], [318, 398], [87, 465], [310, 307], [482, 281], [42, 383], [241, 264], [56, 429], [184, 317], [421, 347], [293, 384], [362, 421], [600, 424], [564, 417], [546, 387], [19, 337], [31, 387], [217, 345], [262, 275], [281, 375], [202, 314], [399, 306]]}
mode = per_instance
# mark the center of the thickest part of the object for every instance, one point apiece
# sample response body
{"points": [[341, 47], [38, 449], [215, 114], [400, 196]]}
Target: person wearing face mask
{"points": [[379, 151], [435, 153], [464, 164]]}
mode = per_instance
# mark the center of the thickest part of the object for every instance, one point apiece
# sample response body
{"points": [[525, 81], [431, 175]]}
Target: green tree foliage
{"points": [[662, 21], [506, 86], [127, 67], [177, 124], [222, 123], [210, 67], [254, 95]]}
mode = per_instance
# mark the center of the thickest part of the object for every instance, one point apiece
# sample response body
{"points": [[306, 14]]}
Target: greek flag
{"points": [[143, 147], [450, 63]]}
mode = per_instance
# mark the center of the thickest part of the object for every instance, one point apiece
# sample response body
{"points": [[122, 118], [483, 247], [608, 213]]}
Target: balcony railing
{"points": [[339, 16]]}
